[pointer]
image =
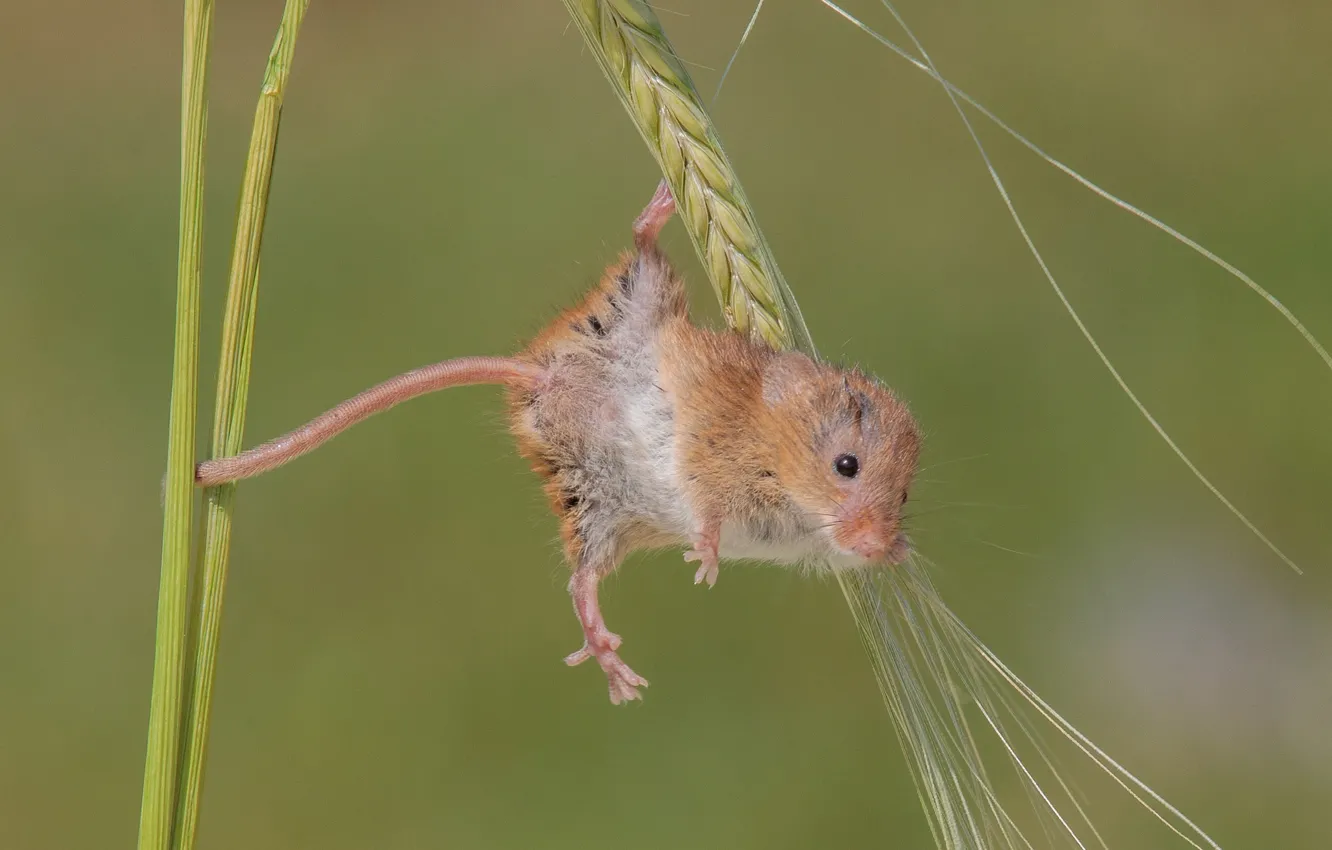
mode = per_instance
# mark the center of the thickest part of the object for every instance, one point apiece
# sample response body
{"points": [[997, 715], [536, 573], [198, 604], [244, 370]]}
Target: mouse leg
{"points": [[706, 543], [600, 642], [654, 216]]}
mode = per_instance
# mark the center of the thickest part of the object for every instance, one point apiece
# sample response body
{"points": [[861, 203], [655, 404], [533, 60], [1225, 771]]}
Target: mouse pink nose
{"points": [[869, 545]]}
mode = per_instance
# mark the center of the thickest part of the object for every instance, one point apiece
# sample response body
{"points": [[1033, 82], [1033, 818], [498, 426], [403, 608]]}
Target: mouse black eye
{"points": [[847, 465], [904, 497]]}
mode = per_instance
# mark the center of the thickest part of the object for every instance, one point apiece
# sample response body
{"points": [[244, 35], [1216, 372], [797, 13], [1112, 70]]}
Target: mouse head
{"points": [[847, 452]]}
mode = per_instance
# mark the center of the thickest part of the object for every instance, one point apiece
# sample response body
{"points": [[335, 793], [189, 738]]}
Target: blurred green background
{"points": [[451, 173]]}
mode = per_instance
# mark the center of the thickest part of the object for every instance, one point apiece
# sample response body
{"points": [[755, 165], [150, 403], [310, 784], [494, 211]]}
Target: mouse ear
{"points": [[787, 377], [855, 402]]}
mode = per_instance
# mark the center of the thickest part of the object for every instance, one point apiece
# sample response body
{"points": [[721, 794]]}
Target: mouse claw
{"points": [[573, 659], [706, 572], [623, 683], [705, 552]]}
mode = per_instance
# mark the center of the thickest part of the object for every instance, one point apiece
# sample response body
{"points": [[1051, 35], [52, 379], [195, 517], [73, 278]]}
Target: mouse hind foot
{"points": [[621, 680], [648, 225], [600, 642]]}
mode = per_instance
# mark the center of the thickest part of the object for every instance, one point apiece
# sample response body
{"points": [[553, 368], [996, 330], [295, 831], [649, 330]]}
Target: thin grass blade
{"points": [[1105, 194], [159, 777]]}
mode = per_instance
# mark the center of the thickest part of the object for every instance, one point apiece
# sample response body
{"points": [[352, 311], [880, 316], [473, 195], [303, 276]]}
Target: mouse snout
{"points": [[870, 546], [871, 538]]}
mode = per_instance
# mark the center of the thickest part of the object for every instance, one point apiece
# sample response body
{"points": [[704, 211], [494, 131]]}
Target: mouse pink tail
{"points": [[427, 379]]}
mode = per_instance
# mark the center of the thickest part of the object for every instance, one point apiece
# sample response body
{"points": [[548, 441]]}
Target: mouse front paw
{"points": [[707, 570], [705, 552]]}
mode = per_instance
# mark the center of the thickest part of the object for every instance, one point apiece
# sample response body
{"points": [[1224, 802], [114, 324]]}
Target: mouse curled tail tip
{"points": [[506, 371]]}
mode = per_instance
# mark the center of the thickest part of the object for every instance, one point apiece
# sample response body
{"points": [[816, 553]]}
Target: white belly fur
{"points": [[649, 452]]}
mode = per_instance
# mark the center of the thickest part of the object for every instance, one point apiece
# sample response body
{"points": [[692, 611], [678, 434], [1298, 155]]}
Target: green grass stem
{"points": [[233, 380], [159, 777]]}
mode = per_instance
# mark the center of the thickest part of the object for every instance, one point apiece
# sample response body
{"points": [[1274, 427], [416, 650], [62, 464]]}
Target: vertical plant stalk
{"points": [[233, 380], [652, 83], [159, 775]]}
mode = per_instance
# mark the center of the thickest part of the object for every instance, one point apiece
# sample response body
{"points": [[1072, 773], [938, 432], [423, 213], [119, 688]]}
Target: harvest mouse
{"points": [[649, 431]]}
